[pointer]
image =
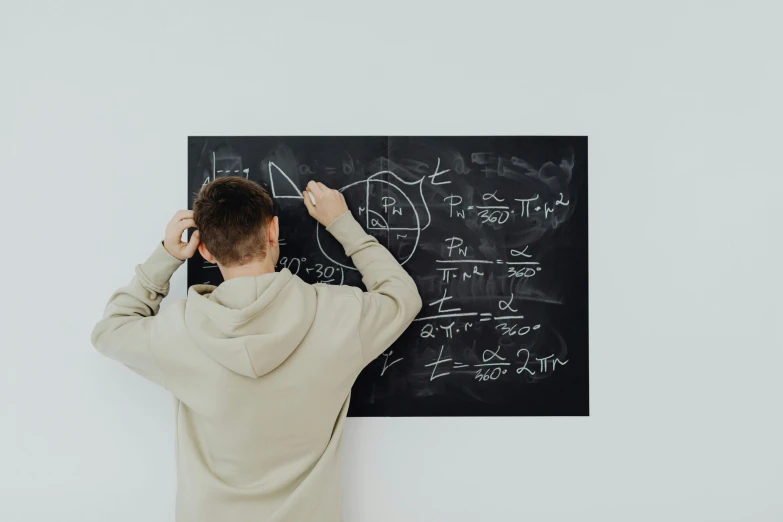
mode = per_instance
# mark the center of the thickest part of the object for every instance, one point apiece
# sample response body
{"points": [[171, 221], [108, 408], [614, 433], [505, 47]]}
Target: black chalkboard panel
{"points": [[492, 229]]}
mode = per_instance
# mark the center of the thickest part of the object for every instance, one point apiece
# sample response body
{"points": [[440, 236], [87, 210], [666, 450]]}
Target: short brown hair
{"points": [[232, 215]]}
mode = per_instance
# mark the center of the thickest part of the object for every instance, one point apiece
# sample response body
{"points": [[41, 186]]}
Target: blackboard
{"points": [[492, 229]]}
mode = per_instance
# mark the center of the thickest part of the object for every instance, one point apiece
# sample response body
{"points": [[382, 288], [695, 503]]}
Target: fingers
{"points": [[328, 203], [172, 237], [182, 214], [181, 221], [190, 249], [308, 202], [315, 189], [180, 226]]}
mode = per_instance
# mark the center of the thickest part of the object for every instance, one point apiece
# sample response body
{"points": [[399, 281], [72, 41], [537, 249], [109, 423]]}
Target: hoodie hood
{"points": [[251, 325]]}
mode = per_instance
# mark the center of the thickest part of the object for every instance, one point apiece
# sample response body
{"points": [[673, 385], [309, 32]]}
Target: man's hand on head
{"points": [[172, 239], [329, 203]]}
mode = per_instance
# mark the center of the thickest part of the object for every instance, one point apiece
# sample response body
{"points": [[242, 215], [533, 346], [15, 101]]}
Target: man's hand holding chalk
{"points": [[324, 204]]}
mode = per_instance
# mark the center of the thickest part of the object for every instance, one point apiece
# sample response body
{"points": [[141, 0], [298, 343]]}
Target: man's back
{"points": [[262, 368]]}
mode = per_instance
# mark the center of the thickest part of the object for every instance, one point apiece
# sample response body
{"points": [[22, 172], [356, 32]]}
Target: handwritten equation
{"points": [[393, 208]]}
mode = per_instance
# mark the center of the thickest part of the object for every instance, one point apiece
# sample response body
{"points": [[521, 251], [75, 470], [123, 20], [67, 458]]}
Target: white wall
{"points": [[681, 101]]}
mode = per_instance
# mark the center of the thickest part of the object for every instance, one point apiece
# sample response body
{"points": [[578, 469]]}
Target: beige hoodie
{"points": [[262, 369]]}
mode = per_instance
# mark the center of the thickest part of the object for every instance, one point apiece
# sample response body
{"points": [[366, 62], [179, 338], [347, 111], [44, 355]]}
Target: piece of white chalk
{"points": [[312, 198]]}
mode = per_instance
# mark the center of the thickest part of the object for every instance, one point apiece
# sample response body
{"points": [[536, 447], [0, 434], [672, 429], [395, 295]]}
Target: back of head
{"points": [[232, 215]]}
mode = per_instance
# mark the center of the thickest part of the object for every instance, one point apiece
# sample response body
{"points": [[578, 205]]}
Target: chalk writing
{"points": [[487, 232]]}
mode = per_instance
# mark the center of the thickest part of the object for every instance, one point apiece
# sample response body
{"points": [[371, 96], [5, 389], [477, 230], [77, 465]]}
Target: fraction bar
{"points": [[463, 261], [445, 315]]}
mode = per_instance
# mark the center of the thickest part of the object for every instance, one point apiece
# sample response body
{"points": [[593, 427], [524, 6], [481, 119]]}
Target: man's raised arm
{"points": [[124, 333], [392, 300]]}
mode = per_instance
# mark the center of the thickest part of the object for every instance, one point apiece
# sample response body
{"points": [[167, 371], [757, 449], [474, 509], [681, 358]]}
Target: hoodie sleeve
{"points": [[392, 299], [124, 333]]}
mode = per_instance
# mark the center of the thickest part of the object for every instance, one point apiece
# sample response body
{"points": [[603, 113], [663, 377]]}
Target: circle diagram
{"points": [[382, 207]]}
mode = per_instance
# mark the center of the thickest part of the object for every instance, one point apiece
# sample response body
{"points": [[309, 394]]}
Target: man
{"points": [[262, 365]]}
